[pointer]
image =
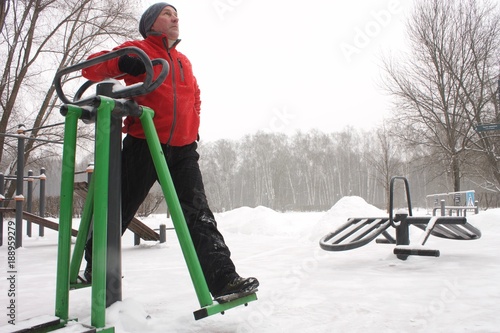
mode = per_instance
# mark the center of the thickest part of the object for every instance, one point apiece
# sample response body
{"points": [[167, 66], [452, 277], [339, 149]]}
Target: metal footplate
{"points": [[222, 307], [356, 232], [459, 231], [48, 323], [35, 324]]}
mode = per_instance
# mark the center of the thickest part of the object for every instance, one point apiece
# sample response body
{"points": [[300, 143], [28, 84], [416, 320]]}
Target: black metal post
{"points": [[163, 233], [2, 180], [29, 201], [399, 221], [113, 262], [43, 178], [90, 171], [19, 198], [402, 233]]}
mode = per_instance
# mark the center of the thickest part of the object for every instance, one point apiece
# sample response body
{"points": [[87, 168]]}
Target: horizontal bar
{"points": [[440, 220]]}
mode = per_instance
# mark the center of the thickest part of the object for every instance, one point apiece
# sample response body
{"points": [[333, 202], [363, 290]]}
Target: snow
{"points": [[303, 288]]}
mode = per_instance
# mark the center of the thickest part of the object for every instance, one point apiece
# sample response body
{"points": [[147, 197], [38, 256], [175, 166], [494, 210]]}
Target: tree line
{"points": [[307, 171], [313, 170]]}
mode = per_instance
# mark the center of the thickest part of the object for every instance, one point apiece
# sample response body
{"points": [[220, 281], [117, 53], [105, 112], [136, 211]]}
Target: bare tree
{"points": [[386, 160], [4, 9], [151, 203], [219, 162], [40, 37], [306, 171], [443, 87]]}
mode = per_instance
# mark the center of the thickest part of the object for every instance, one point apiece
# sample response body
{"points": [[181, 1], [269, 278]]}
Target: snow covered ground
{"points": [[303, 288]]}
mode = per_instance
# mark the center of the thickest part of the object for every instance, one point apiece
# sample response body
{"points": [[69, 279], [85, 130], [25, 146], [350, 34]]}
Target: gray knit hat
{"points": [[150, 15]]}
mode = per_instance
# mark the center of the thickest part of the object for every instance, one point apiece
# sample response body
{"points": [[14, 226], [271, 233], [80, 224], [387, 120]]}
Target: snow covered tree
{"points": [[40, 37], [446, 84]]}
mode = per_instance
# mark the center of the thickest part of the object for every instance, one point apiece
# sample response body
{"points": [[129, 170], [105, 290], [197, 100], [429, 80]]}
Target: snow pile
{"points": [[246, 220], [346, 207], [353, 207], [264, 221]]}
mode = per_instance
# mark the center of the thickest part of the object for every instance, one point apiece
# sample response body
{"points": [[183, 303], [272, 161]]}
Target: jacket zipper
{"points": [[172, 71], [181, 70]]}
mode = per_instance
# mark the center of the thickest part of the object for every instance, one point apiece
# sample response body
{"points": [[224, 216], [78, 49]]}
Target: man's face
{"points": [[167, 23]]}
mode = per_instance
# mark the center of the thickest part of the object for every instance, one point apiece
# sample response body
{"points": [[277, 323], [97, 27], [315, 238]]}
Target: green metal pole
{"points": [[83, 233], [167, 185], [66, 212], [101, 175]]}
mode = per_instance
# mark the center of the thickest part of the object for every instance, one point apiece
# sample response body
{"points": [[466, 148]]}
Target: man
{"points": [[176, 103]]}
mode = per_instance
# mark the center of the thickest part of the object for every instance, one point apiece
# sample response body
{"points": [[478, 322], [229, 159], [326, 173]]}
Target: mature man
{"points": [[176, 103]]}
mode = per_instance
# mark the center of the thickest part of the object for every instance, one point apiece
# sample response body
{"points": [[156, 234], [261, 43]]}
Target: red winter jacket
{"points": [[176, 102]]}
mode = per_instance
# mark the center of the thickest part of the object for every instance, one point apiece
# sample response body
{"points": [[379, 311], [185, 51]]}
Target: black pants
{"points": [[139, 175]]}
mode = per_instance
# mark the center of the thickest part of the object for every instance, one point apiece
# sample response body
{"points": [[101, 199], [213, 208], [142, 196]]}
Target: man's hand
{"points": [[131, 65]]}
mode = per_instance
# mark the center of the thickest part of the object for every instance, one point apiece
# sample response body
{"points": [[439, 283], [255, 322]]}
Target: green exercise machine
{"points": [[105, 109]]}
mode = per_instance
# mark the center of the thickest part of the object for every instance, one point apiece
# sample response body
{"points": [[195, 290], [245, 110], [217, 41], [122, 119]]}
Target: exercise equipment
{"points": [[111, 102], [359, 231]]}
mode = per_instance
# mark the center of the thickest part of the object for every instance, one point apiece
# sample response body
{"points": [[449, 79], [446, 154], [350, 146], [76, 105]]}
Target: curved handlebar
{"points": [[130, 91]]}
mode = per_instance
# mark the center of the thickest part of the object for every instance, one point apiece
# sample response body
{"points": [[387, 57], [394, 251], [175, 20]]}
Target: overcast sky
{"points": [[289, 65]]}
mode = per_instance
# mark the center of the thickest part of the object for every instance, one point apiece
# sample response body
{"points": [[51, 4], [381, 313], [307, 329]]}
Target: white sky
{"points": [[289, 65]]}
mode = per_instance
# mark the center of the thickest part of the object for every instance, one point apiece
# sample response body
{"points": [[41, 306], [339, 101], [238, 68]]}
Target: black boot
{"points": [[238, 285], [87, 274]]}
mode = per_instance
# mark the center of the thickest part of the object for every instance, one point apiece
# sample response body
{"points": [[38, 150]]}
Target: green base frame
{"points": [[96, 206]]}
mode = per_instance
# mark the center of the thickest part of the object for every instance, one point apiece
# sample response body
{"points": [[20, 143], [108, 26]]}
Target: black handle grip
{"points": [[120, 91]]}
